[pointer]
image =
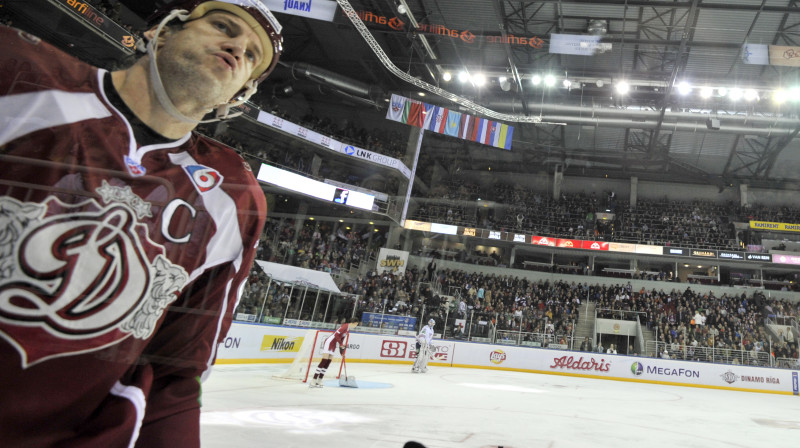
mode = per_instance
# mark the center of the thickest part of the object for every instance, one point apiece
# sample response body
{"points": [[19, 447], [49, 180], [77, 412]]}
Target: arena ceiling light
{"points": [[549, 80], [684, 88], [794, 94], [567, 83], [447, 76], [463, 77], [735, 94], [536, 80], [722, 91], [479, 79], [780, 96], [706, 92], [750, 95], [623, 87]]}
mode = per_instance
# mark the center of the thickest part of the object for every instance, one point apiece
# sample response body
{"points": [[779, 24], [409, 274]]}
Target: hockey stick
{"points": [[349, 381]]}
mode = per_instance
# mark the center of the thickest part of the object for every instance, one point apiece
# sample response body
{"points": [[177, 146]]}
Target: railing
{"points": [[610, 313], [512, 337], [711, 354]]}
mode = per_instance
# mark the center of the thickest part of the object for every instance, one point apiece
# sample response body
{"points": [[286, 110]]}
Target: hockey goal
{"points": [[309, 357]]}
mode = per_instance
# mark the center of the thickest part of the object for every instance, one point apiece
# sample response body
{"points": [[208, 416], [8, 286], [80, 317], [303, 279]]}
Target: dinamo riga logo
{"points": [[76, 278]]}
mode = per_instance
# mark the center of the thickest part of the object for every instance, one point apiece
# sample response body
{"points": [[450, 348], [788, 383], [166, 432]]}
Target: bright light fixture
{"points": [[549, 80], [502, 79], [567, 83], [463, 77], [479, 79], [536, 80], [447, 76], [750, 94], [722, 91], [421, 93], [684, 88], [706, 92], [735, 94], [780, 96], [623, 87]]}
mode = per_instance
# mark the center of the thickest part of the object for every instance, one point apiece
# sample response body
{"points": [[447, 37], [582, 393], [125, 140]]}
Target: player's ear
{"points": [[151, 34]]}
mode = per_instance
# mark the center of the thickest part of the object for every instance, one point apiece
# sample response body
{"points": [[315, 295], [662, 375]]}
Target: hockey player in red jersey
{"points": [[125, 239], [329, 347]]}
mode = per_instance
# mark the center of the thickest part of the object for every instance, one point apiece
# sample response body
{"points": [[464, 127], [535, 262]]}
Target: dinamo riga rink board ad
{"points": [[254, 343]]}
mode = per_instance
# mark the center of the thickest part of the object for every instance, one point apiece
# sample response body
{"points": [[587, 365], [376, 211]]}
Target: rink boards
{"points": [[258, 343]]}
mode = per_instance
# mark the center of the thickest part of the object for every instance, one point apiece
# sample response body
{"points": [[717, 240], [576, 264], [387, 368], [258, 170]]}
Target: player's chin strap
{"points": [[223, 110]]}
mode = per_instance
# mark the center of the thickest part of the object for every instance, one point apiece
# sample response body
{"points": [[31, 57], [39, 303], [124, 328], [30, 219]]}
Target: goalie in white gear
{"points": [[424, 347]]}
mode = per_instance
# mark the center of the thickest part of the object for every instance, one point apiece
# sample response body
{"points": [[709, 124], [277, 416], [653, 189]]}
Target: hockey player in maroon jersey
{"points": [[329, 347], [125, 239]]}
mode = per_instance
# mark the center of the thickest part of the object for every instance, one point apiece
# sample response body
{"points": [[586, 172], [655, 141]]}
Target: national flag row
{"points": [[449, 122]]}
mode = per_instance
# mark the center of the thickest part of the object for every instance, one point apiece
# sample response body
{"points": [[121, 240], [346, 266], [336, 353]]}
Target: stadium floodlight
{"points": [[722, 91], [623, 87], [479, 79], [735, 94], [780, 96], [750, 94], [447, 76], [549, 80], [463, 77], [684, 88], [536, 80], [567, 83], [706, 92]]}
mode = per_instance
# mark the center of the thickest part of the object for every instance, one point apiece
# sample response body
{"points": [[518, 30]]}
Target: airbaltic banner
{"points": [[312, 9], [247, 343]]}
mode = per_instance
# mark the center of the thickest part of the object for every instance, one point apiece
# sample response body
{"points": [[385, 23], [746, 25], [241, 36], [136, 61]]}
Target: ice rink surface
{"points": [[453, 407]]}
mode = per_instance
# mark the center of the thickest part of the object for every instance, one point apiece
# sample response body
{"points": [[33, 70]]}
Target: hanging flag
{"points": [[447, 122], [429, 112], [415, 115], [755, 54], [496, 129], [431, 124], [484, 132], [441, 120], [503, 135], [453, 123], [466, 121], [475, 135], [396, 108]]}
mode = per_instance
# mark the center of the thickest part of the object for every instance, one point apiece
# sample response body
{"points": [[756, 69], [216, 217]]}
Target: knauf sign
{"points": [[312, 9]]}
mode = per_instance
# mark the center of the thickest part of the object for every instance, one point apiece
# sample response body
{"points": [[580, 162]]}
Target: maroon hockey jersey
{"points": [[120, 264]]}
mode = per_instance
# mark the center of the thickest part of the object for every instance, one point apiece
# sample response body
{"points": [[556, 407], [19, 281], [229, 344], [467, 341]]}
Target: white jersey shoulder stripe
{"points": [[25, 113]]}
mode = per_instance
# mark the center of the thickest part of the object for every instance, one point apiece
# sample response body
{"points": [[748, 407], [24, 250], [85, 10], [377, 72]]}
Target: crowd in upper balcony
{"points": [[690, 224]]}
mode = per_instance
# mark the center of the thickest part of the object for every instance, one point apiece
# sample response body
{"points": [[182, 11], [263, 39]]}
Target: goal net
{"points": [[309, 356]]}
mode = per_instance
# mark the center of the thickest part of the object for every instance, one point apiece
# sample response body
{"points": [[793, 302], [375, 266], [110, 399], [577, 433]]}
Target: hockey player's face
{"points": [[216, 53]]}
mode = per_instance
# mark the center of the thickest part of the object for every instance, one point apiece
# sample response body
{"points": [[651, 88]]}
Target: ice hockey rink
{"points": [[455, 407]]}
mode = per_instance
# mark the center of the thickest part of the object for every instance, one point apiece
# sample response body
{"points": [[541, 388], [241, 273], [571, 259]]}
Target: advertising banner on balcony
{"points": [[312, 9], [394, 261], [775, 226], [97, 19]]}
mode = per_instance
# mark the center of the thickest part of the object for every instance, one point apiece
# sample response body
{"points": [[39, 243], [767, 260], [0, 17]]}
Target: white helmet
{"points": [[431, 322]]}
